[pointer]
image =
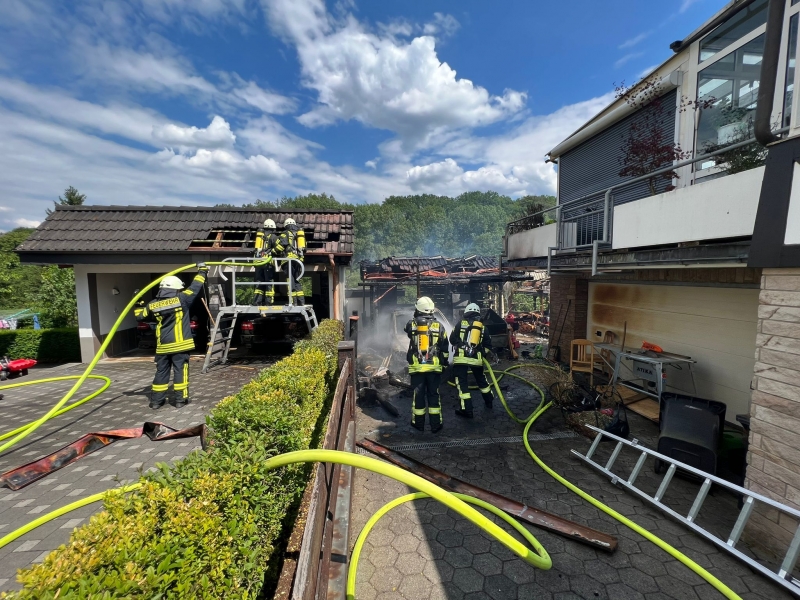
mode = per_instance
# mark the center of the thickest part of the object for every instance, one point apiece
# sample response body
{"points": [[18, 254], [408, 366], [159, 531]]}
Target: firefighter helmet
{"points": [[472, 308], [269, 224], [170, 282], [288, 222], [424, 305]]}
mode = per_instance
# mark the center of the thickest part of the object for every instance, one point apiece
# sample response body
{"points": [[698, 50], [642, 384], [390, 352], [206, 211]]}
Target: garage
{"points": [[714, 325]]}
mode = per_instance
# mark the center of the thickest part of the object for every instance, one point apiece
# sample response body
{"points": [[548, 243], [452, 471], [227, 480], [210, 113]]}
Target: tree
{"points": [[18, 282], [55, 299], [71, 198]]}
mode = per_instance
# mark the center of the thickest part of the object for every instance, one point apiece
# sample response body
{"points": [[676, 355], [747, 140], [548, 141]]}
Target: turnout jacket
{"points": [[463, 354], [173, 327], [287, 243], [438, 353], [266, 244]]}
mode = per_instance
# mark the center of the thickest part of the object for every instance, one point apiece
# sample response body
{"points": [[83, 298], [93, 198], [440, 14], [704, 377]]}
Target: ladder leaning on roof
{"points": [[782, 576], [222, 334]]}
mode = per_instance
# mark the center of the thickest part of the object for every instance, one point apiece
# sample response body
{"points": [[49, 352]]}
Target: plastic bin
{"points": [[718, 408], [690, 433]]}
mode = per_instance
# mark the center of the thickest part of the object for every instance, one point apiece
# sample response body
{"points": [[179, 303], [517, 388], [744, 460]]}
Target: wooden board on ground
{"points": [[636, 402]]}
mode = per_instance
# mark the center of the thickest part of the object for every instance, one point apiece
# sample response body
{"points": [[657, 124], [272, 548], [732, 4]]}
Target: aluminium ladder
{"points": [[782, 576]]}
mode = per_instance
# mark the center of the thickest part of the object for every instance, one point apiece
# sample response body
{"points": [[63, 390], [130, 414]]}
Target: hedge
{"points": [[210, 525], [45, 345]]}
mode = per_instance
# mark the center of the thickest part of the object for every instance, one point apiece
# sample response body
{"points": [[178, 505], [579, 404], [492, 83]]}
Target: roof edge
{"points": [[116, 207]]}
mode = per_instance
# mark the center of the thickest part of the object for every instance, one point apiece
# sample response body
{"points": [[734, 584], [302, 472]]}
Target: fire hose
{"points": [[535, 554]]}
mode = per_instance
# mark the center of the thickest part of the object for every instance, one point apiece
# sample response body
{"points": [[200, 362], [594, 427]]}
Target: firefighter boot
{"points": [[488, 398], [467, 414]]}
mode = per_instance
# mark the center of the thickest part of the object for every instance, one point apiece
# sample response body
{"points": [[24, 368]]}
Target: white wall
{"points": [[719, 208], [109, 305], [792, 235], [532, 243]]}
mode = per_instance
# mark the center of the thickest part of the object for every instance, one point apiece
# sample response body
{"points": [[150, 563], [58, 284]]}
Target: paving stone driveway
{"points": [[124, 404], [422, 550]]}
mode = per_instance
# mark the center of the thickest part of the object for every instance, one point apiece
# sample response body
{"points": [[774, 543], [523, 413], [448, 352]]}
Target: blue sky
{"points": [[206, 101]]}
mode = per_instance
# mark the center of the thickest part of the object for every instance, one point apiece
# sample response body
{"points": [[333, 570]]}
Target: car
{"points": [[146, 333], [284, 328]]}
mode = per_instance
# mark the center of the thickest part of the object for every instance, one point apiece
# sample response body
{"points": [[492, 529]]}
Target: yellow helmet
{"points": [[288, 222], [425, 305], [171, 283], [269, 224]]}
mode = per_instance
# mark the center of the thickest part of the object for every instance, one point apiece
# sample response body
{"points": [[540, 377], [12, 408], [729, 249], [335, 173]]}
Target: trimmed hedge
{"points": [[45, 345], [209, 526]]}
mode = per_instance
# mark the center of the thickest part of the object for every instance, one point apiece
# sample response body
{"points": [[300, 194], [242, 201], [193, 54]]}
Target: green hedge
{"points": [[45, 345], [209, 526]]}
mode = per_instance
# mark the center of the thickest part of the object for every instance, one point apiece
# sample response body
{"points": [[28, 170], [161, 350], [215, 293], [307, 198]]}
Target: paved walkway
{"points": [[124, 404], [422, 550]]}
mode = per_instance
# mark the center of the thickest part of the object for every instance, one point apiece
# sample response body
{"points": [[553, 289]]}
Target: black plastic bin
{"points": [[691, 430]]}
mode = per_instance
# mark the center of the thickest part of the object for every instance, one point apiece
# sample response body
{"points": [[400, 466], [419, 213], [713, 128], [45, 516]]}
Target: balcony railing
{"points": [[587, 222]]}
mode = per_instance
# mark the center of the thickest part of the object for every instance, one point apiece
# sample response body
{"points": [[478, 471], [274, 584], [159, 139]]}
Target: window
{"points": [[790, 60], [742, 23], [730, 85]]}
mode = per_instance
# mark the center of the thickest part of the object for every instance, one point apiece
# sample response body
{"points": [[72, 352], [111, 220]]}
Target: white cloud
{"points": [[213, 163], [217, 135], [371, 164], [380, 81], [26, 223], [266, 135], [434, 174], [686, 5], [627, 58], [442, 23], [630, 43], [447, 177], [263, 100]]}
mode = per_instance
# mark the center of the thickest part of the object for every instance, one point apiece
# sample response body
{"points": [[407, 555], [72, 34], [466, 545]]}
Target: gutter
{"points": [[722, 16]]}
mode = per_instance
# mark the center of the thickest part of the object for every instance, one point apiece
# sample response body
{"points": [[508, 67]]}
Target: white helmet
{"points": [[171, 282], [472, 308], [425, 306], [269, 224], [288, 222]]}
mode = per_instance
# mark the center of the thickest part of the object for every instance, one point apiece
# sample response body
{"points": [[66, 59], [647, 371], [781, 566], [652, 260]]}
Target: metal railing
{"points": [[277, 262], [587, 222]]}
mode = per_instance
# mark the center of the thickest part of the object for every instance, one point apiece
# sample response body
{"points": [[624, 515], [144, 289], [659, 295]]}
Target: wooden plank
{"points": [[646, 407]]}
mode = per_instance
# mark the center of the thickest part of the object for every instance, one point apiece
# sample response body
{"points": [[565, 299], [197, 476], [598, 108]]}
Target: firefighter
{"points": [[428, 354], [265, 249], [292, 244], [470, 344], [173, 335]]}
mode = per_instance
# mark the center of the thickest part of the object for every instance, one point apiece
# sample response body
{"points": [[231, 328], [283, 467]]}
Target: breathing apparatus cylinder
{"points": [[475, 333], [301, 241], [422, 338]]}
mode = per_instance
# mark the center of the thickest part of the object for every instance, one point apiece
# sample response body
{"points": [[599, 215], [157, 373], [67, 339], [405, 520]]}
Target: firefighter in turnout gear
{"points": [[292, 244], [428, 354], [173, 335], [470, 345], [265, 248]]}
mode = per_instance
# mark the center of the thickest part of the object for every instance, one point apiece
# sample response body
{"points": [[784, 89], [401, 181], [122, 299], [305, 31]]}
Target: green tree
{"points": [[18, 283], [55, 300], [72, 197]]}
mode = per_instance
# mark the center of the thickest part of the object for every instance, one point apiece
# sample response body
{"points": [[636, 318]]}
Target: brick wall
{"points": [[774, 457], [563, 289]]}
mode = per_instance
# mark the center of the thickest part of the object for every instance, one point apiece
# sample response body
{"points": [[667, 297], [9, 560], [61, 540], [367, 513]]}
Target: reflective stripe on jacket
{"points": [[173, 325], [266, 244], [287, 244]]}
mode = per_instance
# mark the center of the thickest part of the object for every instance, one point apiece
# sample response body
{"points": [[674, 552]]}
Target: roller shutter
{"points": [[714, 325]]}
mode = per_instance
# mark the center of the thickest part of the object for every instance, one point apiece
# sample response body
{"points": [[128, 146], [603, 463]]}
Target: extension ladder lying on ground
{"points": [[782, 576]]}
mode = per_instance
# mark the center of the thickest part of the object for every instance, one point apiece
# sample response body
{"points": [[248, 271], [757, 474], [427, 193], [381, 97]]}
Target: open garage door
{"points": [[714, 325]]}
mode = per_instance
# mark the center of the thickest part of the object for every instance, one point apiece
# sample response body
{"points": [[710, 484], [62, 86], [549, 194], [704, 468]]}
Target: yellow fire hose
{"points": [[535, 555]]}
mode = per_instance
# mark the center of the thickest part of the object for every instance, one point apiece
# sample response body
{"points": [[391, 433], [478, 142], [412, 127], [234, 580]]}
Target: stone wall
{"points": [[569, 295], [774, 455]]}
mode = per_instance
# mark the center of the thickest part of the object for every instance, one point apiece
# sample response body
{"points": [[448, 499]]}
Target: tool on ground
{"points": [[25, 475], [555, 349], [782, 576], [534, 516]]}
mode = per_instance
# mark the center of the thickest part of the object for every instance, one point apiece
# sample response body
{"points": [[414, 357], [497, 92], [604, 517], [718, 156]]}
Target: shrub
{"points": [[210, 525], [45, 345]]}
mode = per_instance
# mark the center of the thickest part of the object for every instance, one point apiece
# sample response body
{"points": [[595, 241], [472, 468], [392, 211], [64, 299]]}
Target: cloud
{"points": [[371, 164], [434, 174], [382, 82], [627, 58], [217, 135], [447, 25], [212, 163], [265, 101], [686, 5], [26, 223], [447, 177], [634, 40]]}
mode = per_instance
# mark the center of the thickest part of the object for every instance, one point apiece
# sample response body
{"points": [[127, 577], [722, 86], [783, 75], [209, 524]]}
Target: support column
{"points": [[88, 341]]}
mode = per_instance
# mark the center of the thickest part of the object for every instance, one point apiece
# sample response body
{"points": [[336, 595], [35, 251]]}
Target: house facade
{"points": [[677, 224], [116, 250]]}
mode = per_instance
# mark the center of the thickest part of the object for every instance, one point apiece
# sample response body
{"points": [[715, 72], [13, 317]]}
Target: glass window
{"points": [[790, 59], [742, 23], [727, 92]]}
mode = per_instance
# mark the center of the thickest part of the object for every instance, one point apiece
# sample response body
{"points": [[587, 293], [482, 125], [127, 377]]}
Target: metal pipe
{"points": [[595, 248], [769, 73]]}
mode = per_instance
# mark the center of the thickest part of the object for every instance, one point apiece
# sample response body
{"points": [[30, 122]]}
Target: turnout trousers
{"points": [[426, 399], [294, 271], [178, 363], [460, 373], [265, 291]]}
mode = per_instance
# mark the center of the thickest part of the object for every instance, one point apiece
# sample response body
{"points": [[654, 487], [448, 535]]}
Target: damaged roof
{"points": [[428, 266], [167, 229]]}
